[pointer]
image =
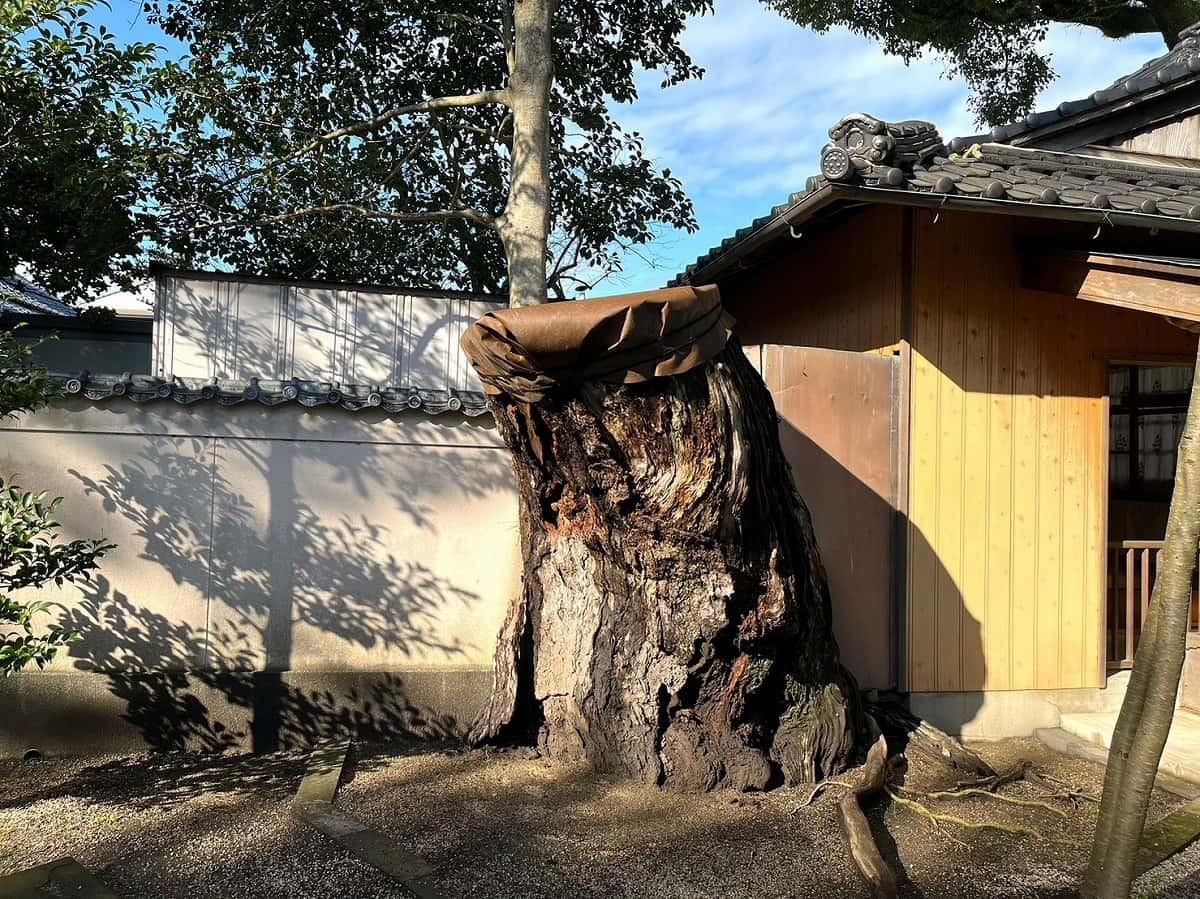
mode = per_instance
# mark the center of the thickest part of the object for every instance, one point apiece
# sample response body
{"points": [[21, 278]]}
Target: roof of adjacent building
{"points": [[1004, 178], [20, 295], [871, 160], [1176, 69]]}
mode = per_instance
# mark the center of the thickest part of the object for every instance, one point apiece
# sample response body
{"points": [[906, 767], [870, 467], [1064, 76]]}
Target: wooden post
{"points": [[1129, 588]]}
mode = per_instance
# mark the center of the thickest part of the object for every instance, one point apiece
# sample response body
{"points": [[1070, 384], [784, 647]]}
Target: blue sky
{"points": [[749, 133]]}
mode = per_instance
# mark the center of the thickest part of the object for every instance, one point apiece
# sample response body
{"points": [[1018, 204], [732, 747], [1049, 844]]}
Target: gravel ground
{"points": [[509, 824], [177, 825]]}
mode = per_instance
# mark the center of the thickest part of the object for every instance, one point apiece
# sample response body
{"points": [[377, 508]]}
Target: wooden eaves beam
{"points": [[1157, 286]]}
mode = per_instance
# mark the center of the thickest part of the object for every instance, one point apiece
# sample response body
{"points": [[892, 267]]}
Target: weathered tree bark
{"points": [[524, 227], [674, 623], [1149, 704], [905, 732]]}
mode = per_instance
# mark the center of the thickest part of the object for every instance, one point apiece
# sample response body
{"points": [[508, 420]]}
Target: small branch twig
{"points": [[974, 791], [820, 788], [940, 821]]}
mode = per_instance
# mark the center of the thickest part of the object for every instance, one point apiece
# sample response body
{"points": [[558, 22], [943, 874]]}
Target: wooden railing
{"points": [[1132, 568]]}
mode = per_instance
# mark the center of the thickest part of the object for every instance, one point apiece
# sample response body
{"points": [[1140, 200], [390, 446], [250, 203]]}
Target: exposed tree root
{"points": [[879, 776], [1051, 787], [819, 789], [1059, 789], [863, 848], [1019, 771]]}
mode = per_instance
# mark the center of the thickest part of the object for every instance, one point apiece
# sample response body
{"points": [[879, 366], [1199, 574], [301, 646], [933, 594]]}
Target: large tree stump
{"points": [[674, 622]]}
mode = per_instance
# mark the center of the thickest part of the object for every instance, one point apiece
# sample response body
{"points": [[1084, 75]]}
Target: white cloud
{"points": [[750, 132]]}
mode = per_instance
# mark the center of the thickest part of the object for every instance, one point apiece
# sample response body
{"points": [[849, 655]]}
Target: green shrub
{"points": [[31, 555]]}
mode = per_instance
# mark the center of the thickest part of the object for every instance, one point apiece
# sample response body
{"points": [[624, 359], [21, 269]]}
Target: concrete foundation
{"points": [[1012, 713], [1189, 696], [88, 713]]}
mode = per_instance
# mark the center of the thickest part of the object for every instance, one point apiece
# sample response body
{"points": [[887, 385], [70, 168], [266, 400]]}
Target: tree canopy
{"points": [[992, 44], [71, 156], [243, 182]]}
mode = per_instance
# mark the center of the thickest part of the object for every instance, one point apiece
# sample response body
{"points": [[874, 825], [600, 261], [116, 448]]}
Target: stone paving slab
{"points": [[324, 773], [313, 804], [66, 875], [1169, 835]]}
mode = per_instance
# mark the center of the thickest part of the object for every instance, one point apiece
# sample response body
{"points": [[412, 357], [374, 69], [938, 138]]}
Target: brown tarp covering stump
{"points": [[617, 340], [674, 621]]}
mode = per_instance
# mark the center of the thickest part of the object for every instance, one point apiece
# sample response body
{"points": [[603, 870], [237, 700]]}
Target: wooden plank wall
{"points": [[1007, 443], [839, 289], [1180, 138]]}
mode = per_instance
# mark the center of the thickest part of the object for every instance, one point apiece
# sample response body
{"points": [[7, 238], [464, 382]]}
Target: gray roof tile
{"points": [[20, 295], [224, 392]]}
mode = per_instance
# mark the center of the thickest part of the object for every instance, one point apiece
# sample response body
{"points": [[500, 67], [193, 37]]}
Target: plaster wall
{"points": [[209, 325], [261, 551]]}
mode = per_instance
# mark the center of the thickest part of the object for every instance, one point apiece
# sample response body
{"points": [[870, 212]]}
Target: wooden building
{"points": [[981, 353]]}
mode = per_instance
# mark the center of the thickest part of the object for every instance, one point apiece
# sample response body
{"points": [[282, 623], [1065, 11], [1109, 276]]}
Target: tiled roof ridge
{"points": [[268, 392], [865, 151], [1181, 62]]}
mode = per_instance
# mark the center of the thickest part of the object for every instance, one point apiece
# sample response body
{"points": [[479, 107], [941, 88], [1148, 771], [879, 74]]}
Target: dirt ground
{"points": [[510, 824]]}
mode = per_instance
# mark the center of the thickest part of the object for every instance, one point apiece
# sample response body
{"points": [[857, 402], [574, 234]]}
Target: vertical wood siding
{"points": [[1180, 138], [1006, 496], [839, 289]]}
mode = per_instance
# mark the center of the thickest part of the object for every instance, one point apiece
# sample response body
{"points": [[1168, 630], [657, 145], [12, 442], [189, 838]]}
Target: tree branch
{"points": [[405, 159], [435, 215], [364, 126], [1114, 20], [506, 33]]}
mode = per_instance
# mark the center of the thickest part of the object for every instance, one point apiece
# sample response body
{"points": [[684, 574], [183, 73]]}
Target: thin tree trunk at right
{"points": [[1149, 705]]}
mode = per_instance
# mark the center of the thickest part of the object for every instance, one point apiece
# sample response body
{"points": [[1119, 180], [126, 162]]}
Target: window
{"points": [[1148, 406]]}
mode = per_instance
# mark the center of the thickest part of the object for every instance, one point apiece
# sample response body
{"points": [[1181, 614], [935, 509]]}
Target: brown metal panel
{"points": [[837, 425]]}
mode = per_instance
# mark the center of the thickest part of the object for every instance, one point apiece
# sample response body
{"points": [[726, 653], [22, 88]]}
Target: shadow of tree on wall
{"points": [[271, 564]]}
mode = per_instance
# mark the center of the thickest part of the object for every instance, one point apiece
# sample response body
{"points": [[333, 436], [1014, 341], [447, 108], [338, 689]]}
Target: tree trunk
{"points": [[674, 623], [524, 227], [1149, 705]]}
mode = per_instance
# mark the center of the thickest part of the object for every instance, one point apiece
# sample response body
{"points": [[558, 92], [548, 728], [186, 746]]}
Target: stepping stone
{"points": [[66, 874]]}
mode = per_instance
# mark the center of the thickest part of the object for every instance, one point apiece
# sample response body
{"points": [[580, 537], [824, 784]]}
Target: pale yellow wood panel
{"points": [[1007, 465], [1049, 500], [1076, 557], [997, 631], [1096, 436], [949, 529], [923, 564], [976, 508], [1025, 471]]}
